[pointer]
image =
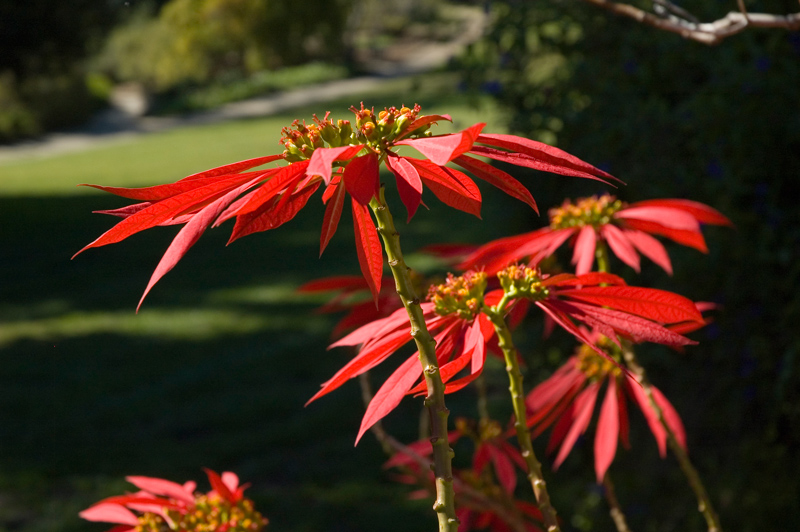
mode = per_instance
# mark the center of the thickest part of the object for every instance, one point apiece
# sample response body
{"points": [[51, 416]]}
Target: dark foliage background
{"points": [[718, 125]]}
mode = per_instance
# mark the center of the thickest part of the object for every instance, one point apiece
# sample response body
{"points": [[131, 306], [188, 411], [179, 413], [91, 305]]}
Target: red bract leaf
{"points": [[650, 303], [219, 486], [452, 187], [110, 513], [649, 247], [322, 160], [620, 245], [124, 212], [607, 433], [159, 486], [164, 210], [409, 185], [671, 416], [283, 178], [375, 329], [495, 255], [639, 395], [443, 149], [588, 279], [498, 178], [366, 359], [137, 501], [234, 167], [423, 121], [578, 422], [368, 247], [692, 239], [540, 156], [333, 212], [701, 212], [273, 215], [361, 178], [189, 234], [640, 329], [503, 467], [390, 394], [583, 253], [670, 218]]}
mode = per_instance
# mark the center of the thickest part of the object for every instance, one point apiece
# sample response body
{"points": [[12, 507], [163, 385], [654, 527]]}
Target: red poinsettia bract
{"points": [[567, 401], [626, 229], [165, 505], [344, 159], [462, 332]]}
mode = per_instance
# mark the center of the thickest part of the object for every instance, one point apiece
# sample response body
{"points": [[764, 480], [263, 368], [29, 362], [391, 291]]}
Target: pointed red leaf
{"points": [[368, 247], [442, 149], [219, 486], [650, 303], [124, 212], [692, 238], [409, 184], [498, 253], [550, 158], [279, 181], [639, 395], [583, 253], [273, 214], [452, 187], [234, 167], [110, 513], [390, 393], [587, 279], [624, 425], [649, 247], [503, 468], [361, 178], [498, 178], [189, 234], [584, 407], [322, 159], [333, 212], [607, 432], [620, 245], [671, 417], [159, 486], [701, 212]]}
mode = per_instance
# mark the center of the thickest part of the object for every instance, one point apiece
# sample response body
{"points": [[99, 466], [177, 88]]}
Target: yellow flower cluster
{"points": [[521, 281], [209, 514], [594, 211], [461, 295], [596, 367]]}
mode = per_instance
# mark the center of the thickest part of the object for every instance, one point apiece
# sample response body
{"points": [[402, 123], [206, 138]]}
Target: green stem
{"points": [[504, 340], [704, 505], [438, 412], [616, 512]]}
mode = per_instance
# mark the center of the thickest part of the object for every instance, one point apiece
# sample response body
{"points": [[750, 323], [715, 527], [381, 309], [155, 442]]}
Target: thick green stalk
{"points": [[504, 340], [442, 453], [704, 505]]}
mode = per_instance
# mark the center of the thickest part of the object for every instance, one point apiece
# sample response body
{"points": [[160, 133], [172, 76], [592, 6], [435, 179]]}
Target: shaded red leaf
{"points": [[498, 178], [639, 395], [275, 214], [279, 181], [692, 239], [361, 178], [219, 486], [390, 393], [607, 432], [657, 305], [409, 184], [322, 160], [452, 187], [368, 247], [578, 422], [503, 467], [444, 148], [333, 212], [671, 417]]}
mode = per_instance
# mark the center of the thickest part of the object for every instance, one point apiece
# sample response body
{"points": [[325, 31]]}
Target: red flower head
{"points": [[463, 332], [625, 228], [345, 158], [163, 504], [567, 401]]}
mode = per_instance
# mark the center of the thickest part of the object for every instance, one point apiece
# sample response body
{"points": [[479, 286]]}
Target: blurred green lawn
{"points": [[215, 369]]}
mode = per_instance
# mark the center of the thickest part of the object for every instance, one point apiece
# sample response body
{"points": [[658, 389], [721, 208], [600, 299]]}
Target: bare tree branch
{"points": [[674, 19]]}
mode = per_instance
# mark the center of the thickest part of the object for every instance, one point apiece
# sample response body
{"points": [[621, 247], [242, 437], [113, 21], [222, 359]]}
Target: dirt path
{"points": [[113, 126]]}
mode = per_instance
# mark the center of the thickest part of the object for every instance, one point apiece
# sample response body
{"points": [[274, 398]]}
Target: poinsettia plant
{"points": [[463, 320]]}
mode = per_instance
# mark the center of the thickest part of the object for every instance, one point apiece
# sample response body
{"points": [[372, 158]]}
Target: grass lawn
{"points": [[215, 369]]}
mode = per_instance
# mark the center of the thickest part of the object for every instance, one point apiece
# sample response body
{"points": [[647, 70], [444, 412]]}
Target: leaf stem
{"points": [[614, 509], [434, 402], [704, 505], [506, 343]]}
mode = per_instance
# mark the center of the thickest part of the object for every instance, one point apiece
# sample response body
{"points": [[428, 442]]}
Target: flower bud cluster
{"points": [[461, 295], [520, 281], [594, 211], [210, 513], [596, 367], [377, 131]]}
